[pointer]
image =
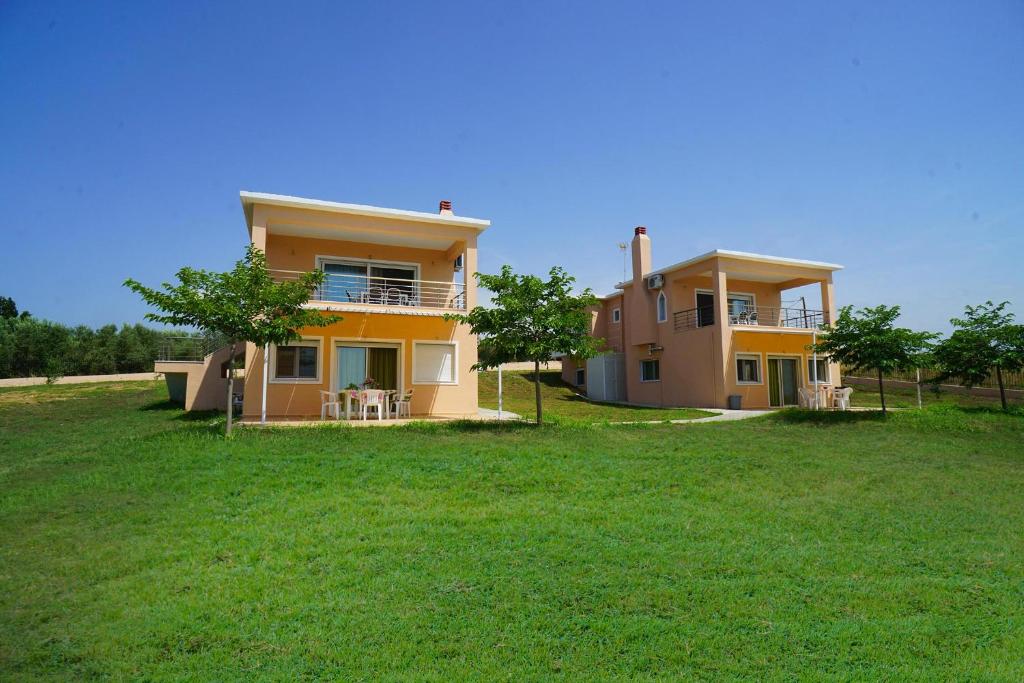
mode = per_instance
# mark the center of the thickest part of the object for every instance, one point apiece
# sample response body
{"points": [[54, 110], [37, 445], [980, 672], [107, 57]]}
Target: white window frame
{"points": [[367, 343], [810, 375], [753, 299], [316, 342], [616, 315], [662, 300], [321, 260], [455, 362], [577, 377], [760, 367], [657, 362]]}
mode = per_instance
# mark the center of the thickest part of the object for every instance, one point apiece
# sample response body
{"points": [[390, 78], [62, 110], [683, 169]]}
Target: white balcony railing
{"points": [[384, 291], [757, 316]]}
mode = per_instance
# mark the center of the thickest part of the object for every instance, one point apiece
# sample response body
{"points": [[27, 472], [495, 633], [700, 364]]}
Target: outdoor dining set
{"points": [[366, 403], [825, 396]]}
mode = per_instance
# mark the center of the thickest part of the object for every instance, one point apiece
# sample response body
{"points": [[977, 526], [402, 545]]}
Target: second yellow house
{"points": [[709, 328]]}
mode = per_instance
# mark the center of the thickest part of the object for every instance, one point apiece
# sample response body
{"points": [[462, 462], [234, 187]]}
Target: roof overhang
{"points": [[749, 262]]}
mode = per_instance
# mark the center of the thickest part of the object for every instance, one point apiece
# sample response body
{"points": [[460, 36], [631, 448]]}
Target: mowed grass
{"points": [[138, 543], [866, 395], [562, 405]]}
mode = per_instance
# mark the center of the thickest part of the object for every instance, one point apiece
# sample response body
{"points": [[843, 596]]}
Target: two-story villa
{"points": [[392, 275], [714, 326]]}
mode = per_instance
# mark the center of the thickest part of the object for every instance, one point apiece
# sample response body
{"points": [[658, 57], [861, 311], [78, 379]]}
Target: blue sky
{"points": [[888, 137]]}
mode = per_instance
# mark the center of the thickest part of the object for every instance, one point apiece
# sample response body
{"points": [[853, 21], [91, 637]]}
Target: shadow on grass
{"points": [[171, 406], [474, 426], [826, 417]]}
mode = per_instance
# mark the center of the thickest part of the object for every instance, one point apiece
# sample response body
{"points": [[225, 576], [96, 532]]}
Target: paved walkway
{"points": [[721, 415]]}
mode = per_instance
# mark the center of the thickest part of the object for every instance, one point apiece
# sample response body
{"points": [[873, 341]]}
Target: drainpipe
{"points": [[266, 373]]}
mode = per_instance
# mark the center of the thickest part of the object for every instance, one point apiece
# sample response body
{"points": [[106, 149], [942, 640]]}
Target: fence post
{"points": [[918, 388]]}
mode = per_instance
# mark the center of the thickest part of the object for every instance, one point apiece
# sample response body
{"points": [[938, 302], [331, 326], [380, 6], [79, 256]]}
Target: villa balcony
{"points": [[384, 292], [752, 316]]}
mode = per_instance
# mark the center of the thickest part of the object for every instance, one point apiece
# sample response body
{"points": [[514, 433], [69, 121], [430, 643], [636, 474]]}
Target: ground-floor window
{"points": [[650, 371], [368, 366], [298, 361], [580, 377], [434, 363], [822, 366], [748, 368]]}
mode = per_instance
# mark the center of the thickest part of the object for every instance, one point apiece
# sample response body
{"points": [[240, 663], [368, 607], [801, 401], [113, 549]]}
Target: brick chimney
{"points": [[641, 253], [445, 208]]}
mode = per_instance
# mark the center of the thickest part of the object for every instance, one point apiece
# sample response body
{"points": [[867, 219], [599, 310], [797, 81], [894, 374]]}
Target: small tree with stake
{"points": [[868, 340], [531, 319], [241, 305], [985, 338]]}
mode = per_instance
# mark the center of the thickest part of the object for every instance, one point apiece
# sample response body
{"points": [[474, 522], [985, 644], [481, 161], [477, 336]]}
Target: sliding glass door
{"points": [[367, 282], [357, 364]]}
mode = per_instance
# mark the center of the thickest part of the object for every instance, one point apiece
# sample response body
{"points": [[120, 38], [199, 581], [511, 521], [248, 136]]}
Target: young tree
{"points": [[242, 305], [985, 338], [531, 319], [868, 340]]}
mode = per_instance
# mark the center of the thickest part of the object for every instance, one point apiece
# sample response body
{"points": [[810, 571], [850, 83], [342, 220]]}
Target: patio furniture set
{"points": [[382, 403], [825, 396]]}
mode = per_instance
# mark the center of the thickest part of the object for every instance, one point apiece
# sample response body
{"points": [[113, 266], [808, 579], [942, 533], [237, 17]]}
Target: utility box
{"points": [[606, 377], [735, 402]]}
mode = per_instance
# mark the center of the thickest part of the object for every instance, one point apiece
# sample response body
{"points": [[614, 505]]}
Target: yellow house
{"points": [[707, 328], [391, 275]]}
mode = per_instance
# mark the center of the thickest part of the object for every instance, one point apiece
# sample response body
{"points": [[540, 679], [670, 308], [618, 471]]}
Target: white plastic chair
{"points": [[403, 405], [371, 399], [841, 398], [807, 399], [329, 404]]}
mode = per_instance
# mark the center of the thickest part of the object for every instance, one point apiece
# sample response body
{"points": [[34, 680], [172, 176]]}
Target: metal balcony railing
{"points": [[188, 349], [384, 291], [758, 316]]}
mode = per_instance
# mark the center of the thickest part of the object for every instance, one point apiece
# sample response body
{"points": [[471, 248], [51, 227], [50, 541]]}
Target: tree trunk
{"points": [[536, 387], [231, 389], [1002, 389], [881, 389]]}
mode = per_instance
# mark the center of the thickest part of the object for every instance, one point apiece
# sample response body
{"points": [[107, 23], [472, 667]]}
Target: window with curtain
{"points": [[822, 370], [434, 363], [748, 369], [382, 365]]}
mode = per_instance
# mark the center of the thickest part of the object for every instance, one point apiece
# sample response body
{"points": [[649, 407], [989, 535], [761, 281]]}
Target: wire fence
{"points": [[1011, 380]]}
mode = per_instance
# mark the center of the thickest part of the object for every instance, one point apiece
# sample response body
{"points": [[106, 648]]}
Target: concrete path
{"points": [[721, 415], [488, 414]]}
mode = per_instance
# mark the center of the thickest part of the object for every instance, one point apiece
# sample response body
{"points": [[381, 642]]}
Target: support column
{"points": [[722, 334], [468, 268], [828, 299]]}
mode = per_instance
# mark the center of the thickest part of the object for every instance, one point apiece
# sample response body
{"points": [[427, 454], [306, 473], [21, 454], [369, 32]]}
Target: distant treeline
{"points": [[30, 347]]}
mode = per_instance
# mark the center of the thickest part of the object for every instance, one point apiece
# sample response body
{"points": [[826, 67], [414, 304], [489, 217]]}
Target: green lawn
{"points": [[906, 397], [137, 543], [562, 405]]}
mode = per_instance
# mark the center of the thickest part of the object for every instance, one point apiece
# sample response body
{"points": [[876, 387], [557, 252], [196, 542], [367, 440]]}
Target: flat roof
{"points": [[743, 256], [251, 198]]}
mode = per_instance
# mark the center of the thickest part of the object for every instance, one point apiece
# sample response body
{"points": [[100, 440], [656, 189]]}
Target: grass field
{"points": [[137, 543]]}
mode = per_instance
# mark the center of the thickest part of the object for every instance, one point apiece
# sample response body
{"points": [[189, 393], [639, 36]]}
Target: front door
{"points": [[782, 381]]}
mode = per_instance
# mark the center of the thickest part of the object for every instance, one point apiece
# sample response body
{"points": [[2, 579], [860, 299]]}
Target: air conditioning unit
{"points": [[458, 263], [656, 281]]}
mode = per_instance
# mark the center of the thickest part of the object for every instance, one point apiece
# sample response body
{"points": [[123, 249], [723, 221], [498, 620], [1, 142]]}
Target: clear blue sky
{"points": [[888, 137]]}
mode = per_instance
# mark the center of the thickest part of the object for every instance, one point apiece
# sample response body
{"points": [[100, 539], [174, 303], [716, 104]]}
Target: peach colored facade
{"points": [[405, 316], [719, 315]]}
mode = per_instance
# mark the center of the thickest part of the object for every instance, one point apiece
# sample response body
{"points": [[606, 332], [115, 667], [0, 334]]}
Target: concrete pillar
{"points": [[722, 333], [469, 266], [828, 299]]}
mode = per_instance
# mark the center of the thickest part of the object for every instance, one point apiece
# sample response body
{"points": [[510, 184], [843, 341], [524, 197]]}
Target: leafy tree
{"points": [[531, 319], [8, 309], [985, 338], [242, 305], [868, 340]]}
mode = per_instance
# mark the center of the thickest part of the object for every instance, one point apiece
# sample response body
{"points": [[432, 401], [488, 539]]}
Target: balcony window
{"points": [[369, 282]]}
